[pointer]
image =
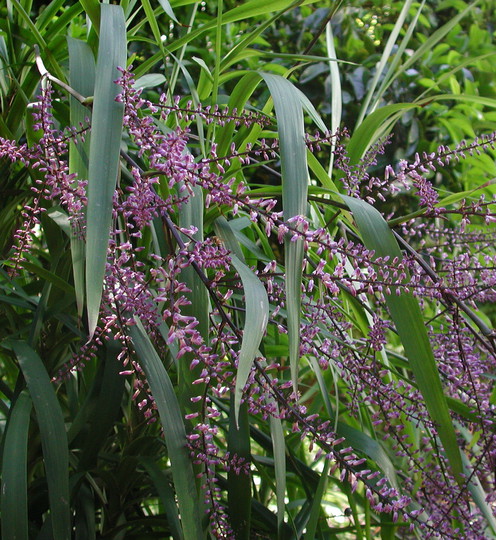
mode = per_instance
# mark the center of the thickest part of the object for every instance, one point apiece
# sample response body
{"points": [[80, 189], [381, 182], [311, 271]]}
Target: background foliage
{"points": [[87, 452]]}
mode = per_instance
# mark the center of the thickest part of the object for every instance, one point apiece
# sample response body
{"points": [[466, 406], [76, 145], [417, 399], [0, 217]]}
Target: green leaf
{"points": [[291, 130], [53, 437], [191, 213], [385, 57], [256, 319], [166, 494], [92, 8], [150, 80], [223, 230], [82, 79], [409, 323], [174, 431], [372, 128], [14, 502], [478, 494], [104, 153], [239, 484], [312, 523], [167, 8], [279, 449]]}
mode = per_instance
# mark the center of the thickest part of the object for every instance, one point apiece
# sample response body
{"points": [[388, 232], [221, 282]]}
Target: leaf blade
{"points": [[256, 319], [406, 314], [14, 502], [104, 153], [53, 437], [174, 430], [291, 129]]}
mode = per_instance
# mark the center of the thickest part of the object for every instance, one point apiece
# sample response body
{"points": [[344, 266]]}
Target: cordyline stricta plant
{"points": [[301, 344]]}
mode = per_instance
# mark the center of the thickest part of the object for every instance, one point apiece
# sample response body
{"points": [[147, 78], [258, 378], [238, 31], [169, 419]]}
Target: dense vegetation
{"points": [[248, 269]]}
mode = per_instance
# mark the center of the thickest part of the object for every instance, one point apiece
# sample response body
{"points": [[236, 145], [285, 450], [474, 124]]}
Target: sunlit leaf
{"points": [[104, 153]]}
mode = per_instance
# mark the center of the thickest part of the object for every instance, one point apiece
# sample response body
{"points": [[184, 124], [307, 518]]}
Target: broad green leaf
{"points": [[14, 498], [48, 277], [82, 79], [224, 230], [256, 319], [372, 128], [53, 437], [174, 431], [409, 323], [104, 153], [291, 130]]}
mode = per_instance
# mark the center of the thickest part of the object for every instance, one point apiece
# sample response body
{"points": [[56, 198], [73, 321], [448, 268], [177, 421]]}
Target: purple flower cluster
{"points": [[347, 335]]}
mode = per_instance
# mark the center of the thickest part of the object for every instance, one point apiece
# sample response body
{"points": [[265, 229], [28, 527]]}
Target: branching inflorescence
{"points": [[451, 271]]}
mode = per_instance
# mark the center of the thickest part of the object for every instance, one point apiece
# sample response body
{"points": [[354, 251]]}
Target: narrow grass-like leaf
{"points": [[244, 11], [53, 437], [174, 431], [237, 100], [166, 494], [479, 495], [429, 44], [279, 449], [290, 125], [48, 277], [81, 79], [92, 8], [256, 318], [14, 501], [409, 323], [241, 47], [168, 9], [336, 93], [104, 153], [84, 514], [392, 71], [315, 509], [388, 48]]}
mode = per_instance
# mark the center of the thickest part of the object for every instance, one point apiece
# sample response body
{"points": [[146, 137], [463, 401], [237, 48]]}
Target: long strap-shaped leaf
{"points": [[53, 437], [104, 153], [256, 315], [256, 318], [14, 477], [291, 129], [82, 79], [409, 323], [174, 431]]}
